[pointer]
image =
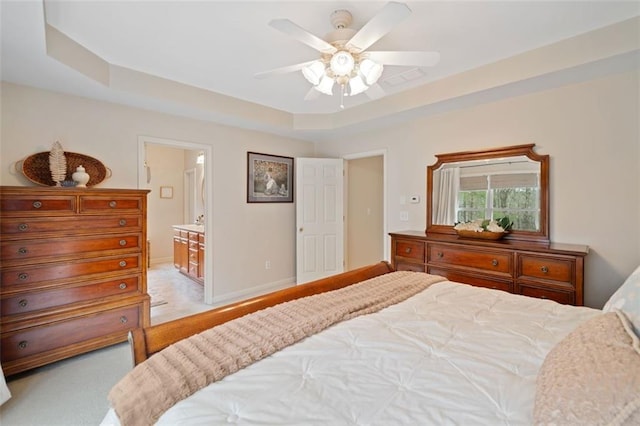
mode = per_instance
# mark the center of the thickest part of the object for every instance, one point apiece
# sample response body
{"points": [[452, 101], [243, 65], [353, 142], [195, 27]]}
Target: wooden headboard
{"points": [[149, 340]]}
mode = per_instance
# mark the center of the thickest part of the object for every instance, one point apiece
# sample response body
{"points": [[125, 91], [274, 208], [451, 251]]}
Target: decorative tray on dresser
{"points": [[73, 271], [544, 270]]}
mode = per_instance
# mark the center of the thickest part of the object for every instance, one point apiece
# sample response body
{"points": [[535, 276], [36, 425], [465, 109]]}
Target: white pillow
{"points": [[627, 299]]}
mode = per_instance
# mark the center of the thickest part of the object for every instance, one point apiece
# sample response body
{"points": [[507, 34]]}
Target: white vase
{"points": [[80, 177]]}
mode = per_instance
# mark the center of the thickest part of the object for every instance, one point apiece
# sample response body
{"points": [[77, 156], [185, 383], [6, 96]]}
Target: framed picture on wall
{"points": [[166, 192], [269, 178]]}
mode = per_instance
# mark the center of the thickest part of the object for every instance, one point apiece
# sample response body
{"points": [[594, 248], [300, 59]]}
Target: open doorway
{"points": [[366, 239], [177, 173]]}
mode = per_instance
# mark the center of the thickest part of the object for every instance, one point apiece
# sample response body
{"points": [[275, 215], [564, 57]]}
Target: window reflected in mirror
{"points": [[489, 190]]}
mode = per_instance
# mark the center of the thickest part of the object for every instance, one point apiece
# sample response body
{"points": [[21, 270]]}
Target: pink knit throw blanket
{"points": [[185, 367]]}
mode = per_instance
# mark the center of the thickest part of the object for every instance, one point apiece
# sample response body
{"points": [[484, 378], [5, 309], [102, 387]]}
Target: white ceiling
{"points": [[219, 46]]}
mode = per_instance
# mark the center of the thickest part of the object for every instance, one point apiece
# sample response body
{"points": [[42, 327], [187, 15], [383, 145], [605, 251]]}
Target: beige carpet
{"points": [[73, 392]]}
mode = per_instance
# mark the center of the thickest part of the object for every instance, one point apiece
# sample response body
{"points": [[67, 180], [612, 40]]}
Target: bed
{"points": [[441, 353]]}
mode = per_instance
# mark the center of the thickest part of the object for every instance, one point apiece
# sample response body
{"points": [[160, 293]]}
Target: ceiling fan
{"points": [[344, 59]]}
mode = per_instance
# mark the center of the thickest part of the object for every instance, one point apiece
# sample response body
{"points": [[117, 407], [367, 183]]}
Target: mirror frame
{"points": [[510, 151]]}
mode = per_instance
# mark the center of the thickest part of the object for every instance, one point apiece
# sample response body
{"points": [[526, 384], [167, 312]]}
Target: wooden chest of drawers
{"points": [[550, 271], [73, 271]]}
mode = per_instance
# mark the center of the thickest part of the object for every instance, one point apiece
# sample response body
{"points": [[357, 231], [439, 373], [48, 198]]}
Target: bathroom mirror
{"points": [[510, 181]]}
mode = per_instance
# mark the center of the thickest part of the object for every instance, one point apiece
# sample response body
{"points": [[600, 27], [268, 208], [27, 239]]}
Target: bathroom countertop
{"points": [[190, 227]]}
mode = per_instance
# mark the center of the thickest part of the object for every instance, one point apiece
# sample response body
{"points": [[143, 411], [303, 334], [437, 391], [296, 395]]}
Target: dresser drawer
{"points": [[97, 203], [35, 340], [408, 266], [475, 280], [31, 250], [479, 259], [410, 249], [44, 299], [567, 298], [17, 205], [36, 274], [26, 227], [547, 268]]}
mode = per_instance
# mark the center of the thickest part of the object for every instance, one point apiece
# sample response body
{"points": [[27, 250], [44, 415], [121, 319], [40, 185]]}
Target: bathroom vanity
{"points": [[188, 251]]}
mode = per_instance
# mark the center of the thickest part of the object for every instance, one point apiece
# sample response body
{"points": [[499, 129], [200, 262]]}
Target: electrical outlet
{"points": [[267, 264], [404, 216]]}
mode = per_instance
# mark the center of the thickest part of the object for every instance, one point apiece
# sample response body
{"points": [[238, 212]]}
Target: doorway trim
{"points": [[208, 201], [376, 153]]}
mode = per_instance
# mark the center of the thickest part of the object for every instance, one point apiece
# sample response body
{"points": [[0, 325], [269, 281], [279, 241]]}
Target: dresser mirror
{"points": [[510, 181]]}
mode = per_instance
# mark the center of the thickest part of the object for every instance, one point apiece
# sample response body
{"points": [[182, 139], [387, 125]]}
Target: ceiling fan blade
{"points": [[390, 15], [282, 70], [417, 59], [375, 91], [312, 94], [302, 35]]}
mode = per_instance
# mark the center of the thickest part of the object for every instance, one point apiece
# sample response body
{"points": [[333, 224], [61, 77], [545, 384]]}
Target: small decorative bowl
{"points": [[484, 235]]}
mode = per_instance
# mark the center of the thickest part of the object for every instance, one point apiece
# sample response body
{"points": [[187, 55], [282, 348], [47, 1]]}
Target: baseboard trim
{"points": [[254, 291]]}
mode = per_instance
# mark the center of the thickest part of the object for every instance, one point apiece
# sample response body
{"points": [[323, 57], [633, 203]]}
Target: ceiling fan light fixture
{"points": [[325, 86], [342, 63], [371, 71], [313, 72], [356, 86]]}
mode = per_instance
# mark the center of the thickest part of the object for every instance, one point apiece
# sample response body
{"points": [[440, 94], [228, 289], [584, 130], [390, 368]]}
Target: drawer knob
{"points": [[123, 319], [112, 204], [407, 250], [23, 276], [23, 227], [23, 303], [122, 222], [23, 250], [23, 344], [123, 242], [122, 286], [544, 269], [440, 254], [37, 204], [123, 263], [494, 262]]}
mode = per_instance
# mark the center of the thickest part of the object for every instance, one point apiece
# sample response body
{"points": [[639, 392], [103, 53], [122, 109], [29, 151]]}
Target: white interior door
{"points": [[319, 218]]}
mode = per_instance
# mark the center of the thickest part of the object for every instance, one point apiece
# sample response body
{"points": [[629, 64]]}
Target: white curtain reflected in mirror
{"points": [[445, 193]]}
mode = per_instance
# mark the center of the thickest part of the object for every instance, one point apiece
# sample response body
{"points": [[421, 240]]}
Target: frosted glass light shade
{"points": [[325, 86], [313, 72], [342, 63], [371, 71], [356, 86]]}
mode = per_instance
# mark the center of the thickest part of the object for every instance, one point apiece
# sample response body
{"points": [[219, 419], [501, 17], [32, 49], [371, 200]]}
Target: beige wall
{"points": [[590, 130], [167, 166], [33, 119]]}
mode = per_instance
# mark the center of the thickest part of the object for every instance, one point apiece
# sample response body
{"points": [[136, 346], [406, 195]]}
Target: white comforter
{"points": [[453, 354]]}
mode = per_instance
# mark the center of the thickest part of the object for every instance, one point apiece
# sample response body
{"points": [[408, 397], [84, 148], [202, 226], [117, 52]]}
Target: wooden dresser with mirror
{"points": [[513, 182]]}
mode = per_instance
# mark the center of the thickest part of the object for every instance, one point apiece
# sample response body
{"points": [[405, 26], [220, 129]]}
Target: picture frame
{"points": [[269, 178], [166, 192]]}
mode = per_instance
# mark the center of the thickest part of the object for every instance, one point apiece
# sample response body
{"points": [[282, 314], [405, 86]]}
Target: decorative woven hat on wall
{"points": [[36, 168]]}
